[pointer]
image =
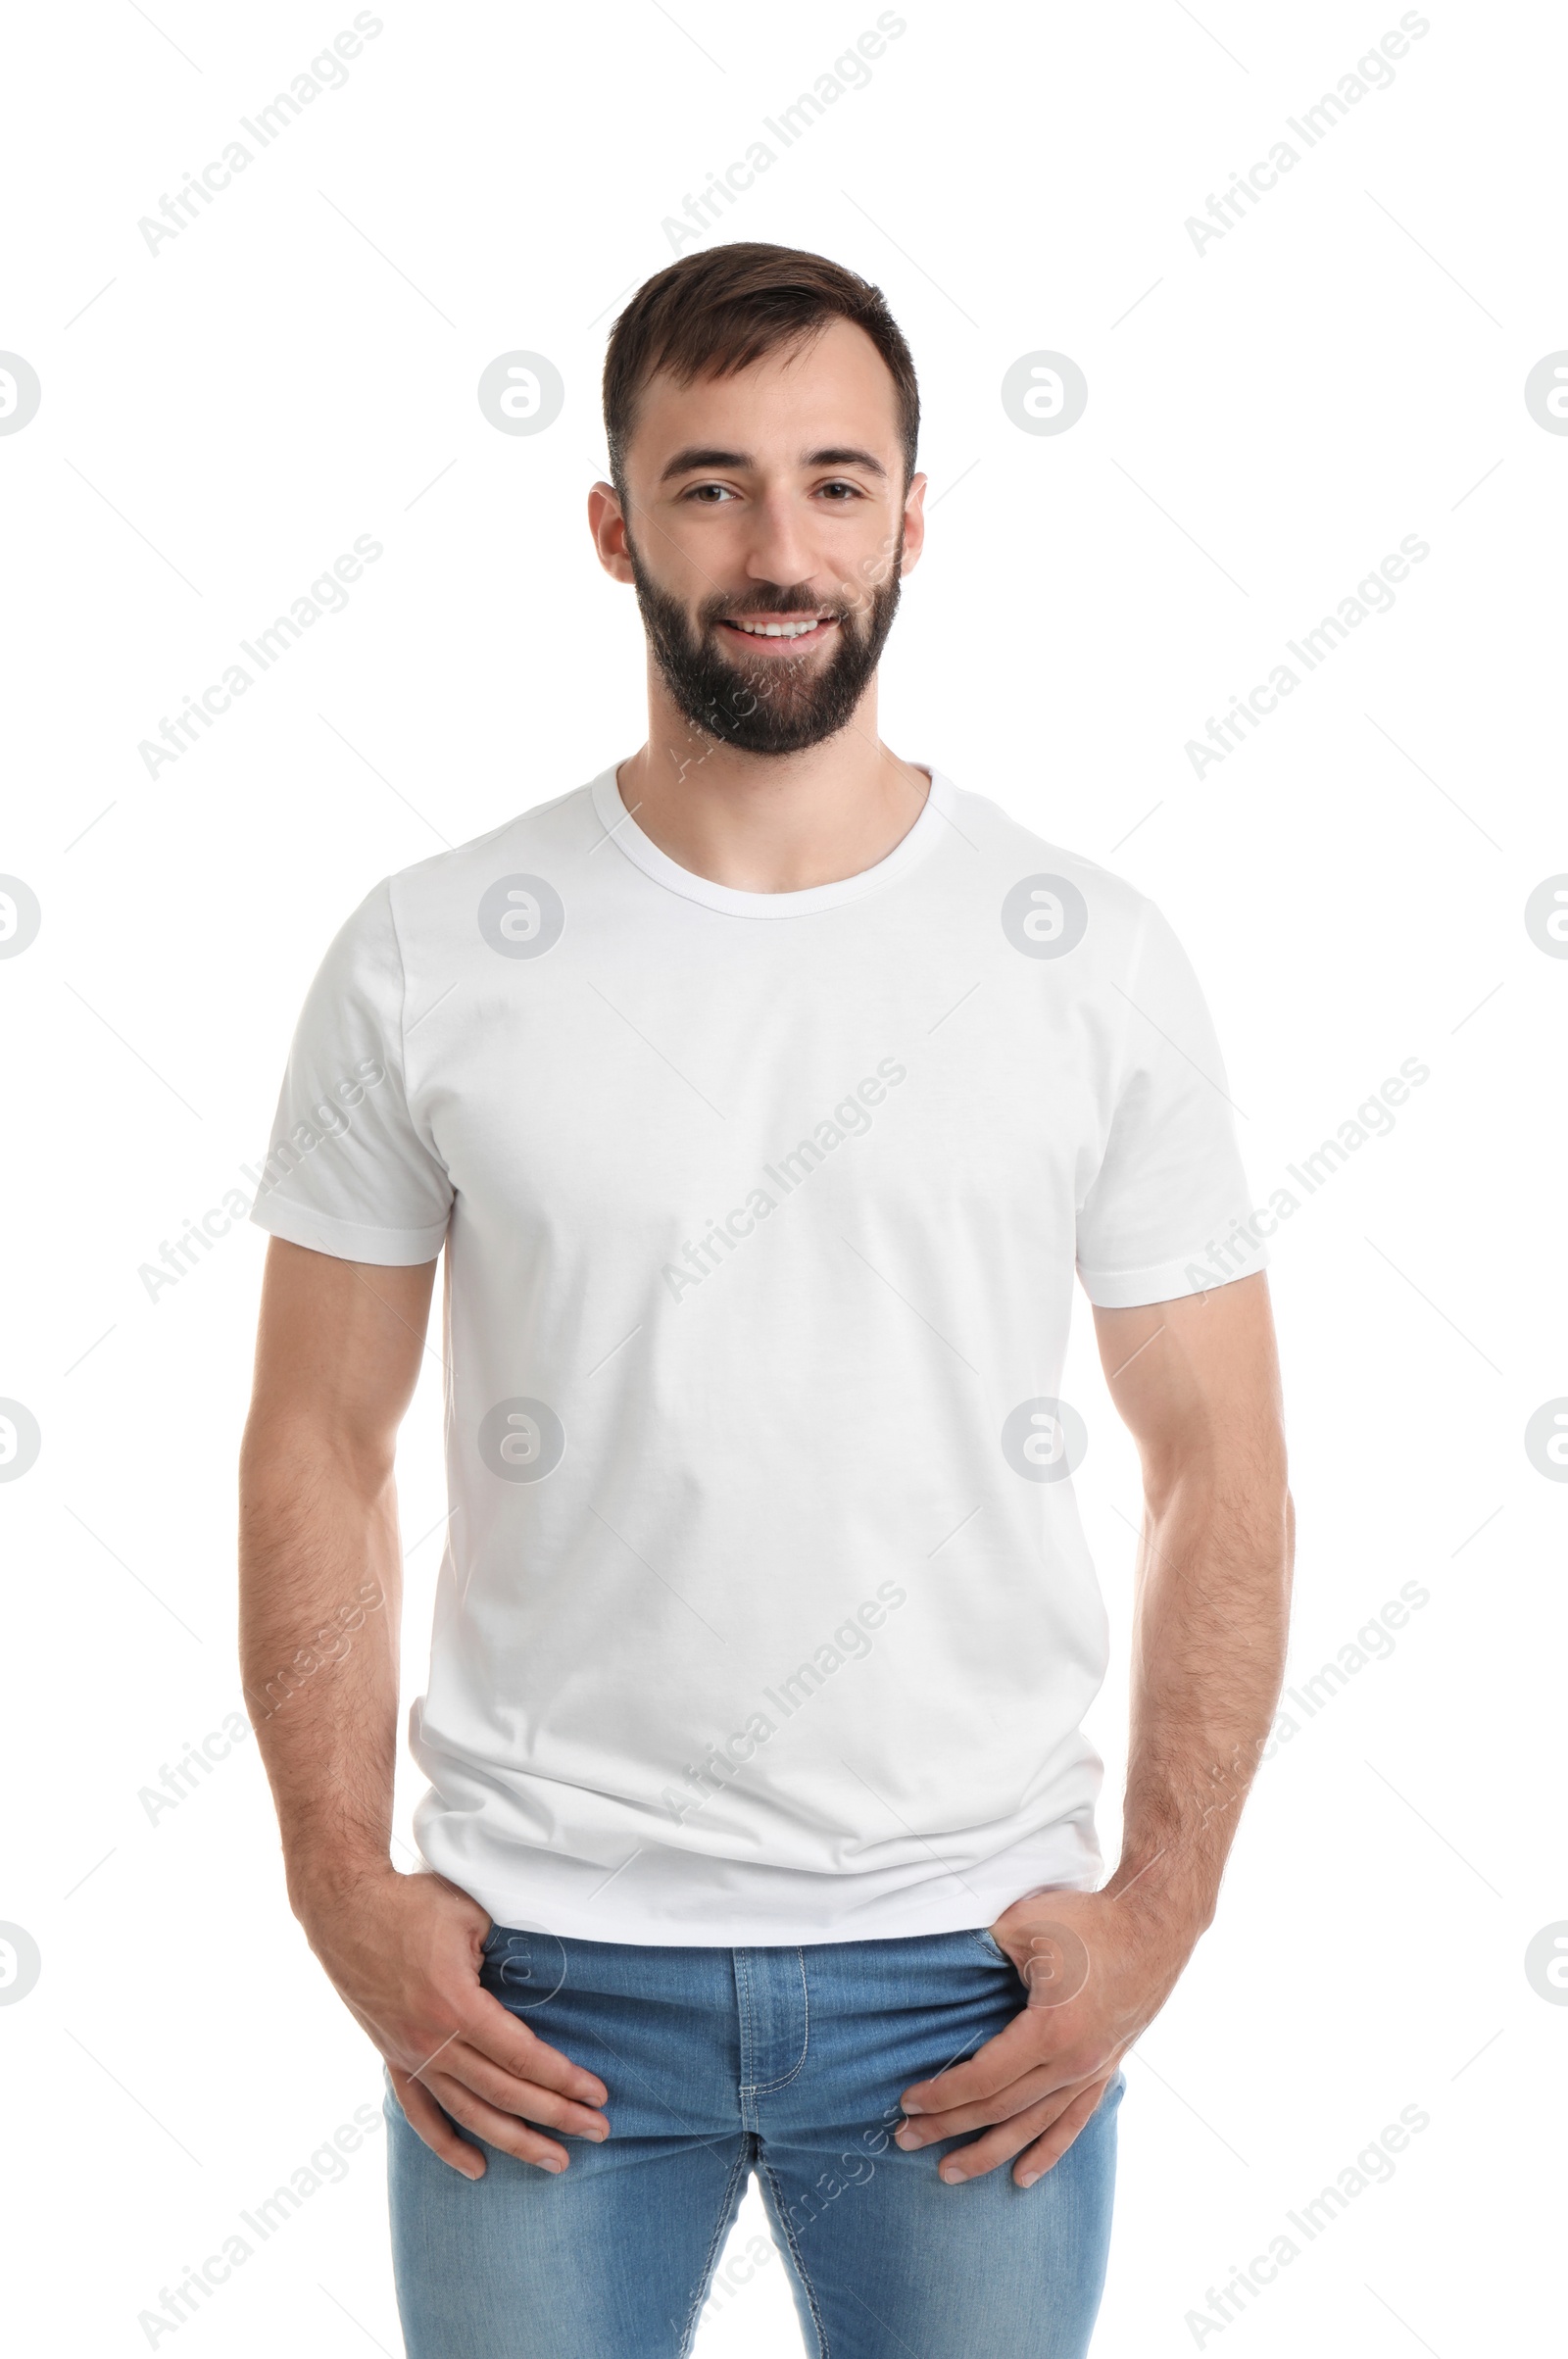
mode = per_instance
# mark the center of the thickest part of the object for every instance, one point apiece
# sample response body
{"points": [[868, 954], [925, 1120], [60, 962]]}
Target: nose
{"points": [[778, 550]]}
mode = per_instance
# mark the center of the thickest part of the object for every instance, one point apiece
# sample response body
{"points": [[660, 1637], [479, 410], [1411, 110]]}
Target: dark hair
{"points": [[716, 313]]}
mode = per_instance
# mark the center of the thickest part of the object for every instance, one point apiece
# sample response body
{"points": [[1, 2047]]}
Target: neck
{"points": [[771, 823]]}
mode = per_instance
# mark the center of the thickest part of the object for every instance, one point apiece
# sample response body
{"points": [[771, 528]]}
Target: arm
{"points": [[1198, 1383], [320, 1590]]}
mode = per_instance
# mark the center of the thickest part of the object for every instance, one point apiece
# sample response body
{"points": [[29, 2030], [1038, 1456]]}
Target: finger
{"points": [[1008, 2139], [1036, 2160], [502, 2056], [495, 2033], [426, 2119], [1015, 2050], [1004, 2139], [497, 2128], [928, 2129], [512, 2092]]}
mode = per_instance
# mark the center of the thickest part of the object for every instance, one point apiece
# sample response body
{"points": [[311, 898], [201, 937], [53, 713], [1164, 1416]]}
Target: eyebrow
{"points": [[698, 459]]}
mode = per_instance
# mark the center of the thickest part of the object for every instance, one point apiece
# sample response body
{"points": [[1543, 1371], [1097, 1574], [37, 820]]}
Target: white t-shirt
{"points": [[766, 1613]]}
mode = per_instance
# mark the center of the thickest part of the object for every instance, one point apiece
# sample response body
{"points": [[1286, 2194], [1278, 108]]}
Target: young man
{"points": [[766, 1094]]}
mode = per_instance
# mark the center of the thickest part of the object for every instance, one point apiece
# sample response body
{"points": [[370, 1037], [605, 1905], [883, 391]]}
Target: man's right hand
{"points": [[403, 1953]]}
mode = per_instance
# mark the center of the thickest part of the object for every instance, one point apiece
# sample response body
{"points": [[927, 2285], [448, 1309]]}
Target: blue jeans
{"points": [[788, 2062]]}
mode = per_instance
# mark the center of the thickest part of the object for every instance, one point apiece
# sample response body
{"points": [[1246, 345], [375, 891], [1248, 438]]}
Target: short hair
{"points": [[714, 313]]}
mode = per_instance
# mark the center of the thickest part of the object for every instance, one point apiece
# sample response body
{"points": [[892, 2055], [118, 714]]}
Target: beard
{"points": [[774, 706]]}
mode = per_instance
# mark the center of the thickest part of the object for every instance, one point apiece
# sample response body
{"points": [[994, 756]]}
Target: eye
{"points": [[841, 491], [709, 494]]}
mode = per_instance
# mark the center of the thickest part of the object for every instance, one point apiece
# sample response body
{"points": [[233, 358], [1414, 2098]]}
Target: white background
{"points": [[1267, 419]]}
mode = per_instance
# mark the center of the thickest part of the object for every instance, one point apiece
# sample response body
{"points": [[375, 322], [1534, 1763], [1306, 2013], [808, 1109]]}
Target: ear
{"points": [[607, 524], [914, 523]]}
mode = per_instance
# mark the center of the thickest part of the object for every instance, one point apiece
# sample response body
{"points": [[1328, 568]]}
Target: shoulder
{"points": [[1029, 873], [431, 891], [429, 909]]}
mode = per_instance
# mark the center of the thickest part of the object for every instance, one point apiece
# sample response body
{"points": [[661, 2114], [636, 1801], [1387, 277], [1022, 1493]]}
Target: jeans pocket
{"points": [[525, 1969], [993, 1948], [504, 1964]]}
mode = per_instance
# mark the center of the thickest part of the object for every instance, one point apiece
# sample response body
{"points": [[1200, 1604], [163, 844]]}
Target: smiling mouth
{"points": [[789, 629]]}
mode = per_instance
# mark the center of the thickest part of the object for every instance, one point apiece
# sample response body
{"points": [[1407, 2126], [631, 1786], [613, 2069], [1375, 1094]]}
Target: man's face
{"points": [[765, 530]]}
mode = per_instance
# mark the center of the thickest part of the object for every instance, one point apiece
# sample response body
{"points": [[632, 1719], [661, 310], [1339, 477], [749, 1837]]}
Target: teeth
{"points": [[777, 630]]}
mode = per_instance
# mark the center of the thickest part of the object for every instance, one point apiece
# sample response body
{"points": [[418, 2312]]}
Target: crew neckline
{"points": [[644, 854]]}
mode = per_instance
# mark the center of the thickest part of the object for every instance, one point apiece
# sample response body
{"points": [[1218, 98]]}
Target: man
{"points": [[766, 1095]]}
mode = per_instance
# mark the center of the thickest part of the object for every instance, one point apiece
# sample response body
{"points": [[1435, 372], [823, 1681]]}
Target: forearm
{"points": [[320, 1598], [1208, 1658]]}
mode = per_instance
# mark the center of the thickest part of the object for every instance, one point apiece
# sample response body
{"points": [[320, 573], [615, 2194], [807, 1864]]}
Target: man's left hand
{"points": [[1097, 1971]]}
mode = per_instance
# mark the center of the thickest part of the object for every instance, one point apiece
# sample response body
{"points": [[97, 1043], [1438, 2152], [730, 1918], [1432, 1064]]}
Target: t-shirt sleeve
{"points": [[351, 1170], [1168, 1212]]}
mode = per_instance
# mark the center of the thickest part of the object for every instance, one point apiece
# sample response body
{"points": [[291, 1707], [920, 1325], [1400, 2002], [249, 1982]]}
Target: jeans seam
{"points": [[743, 2014], [768, 2087], [787, 2227], [721, 2224]]}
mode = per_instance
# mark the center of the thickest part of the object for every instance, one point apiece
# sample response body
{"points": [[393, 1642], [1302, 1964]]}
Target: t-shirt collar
{"points": [[641, 850]]}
